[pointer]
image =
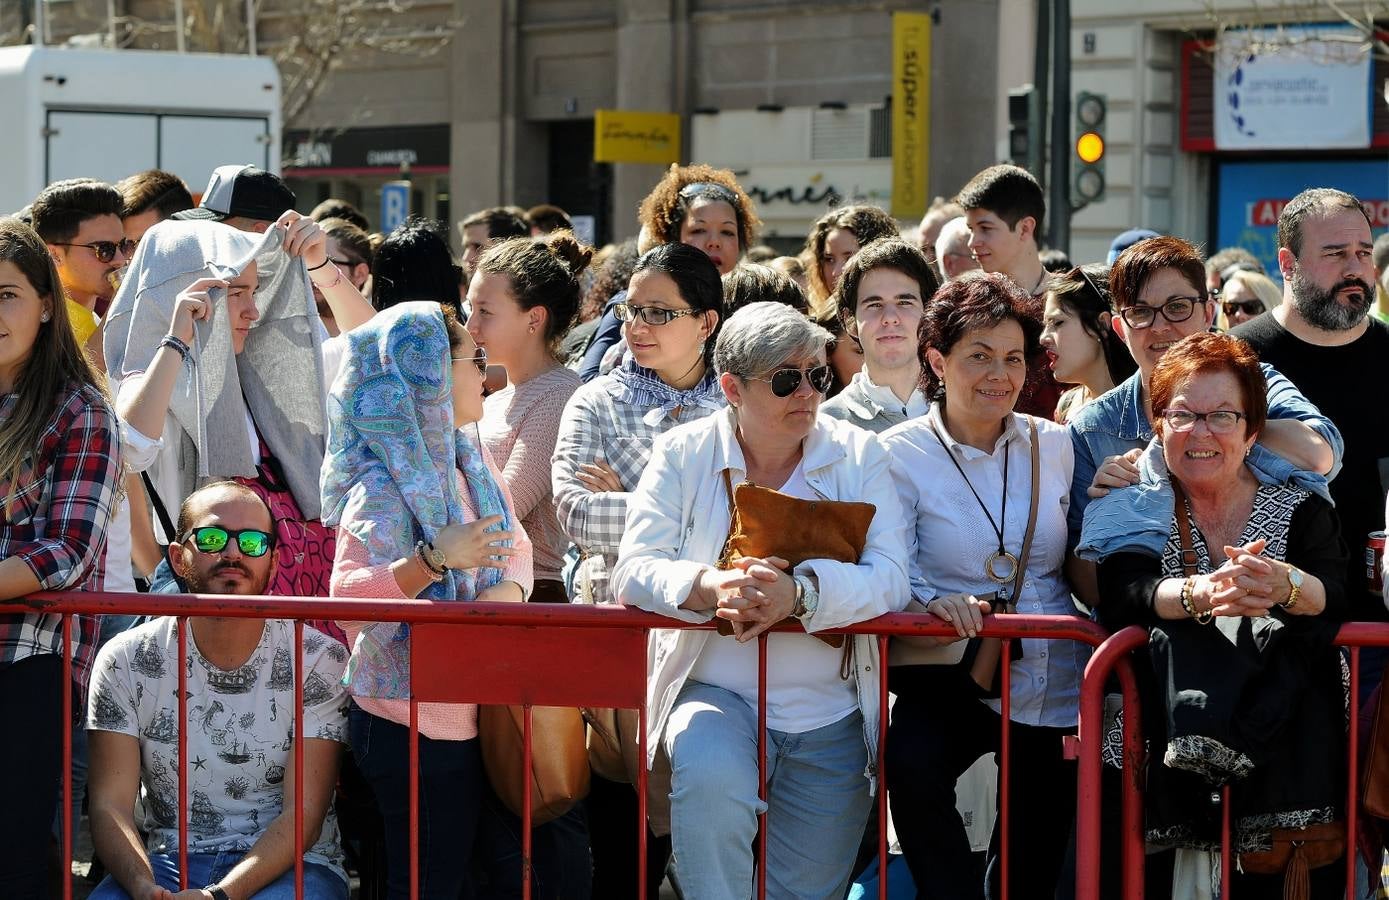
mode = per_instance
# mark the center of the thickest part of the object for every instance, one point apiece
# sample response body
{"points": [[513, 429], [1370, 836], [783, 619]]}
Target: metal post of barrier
{"points": [[67, 756], [182, 627], [641, 800], [1005, 762], [298, 746], [1352, 772], [882, 640], [414, 775], [1088, 831], [762, 765], [1132, 774], [527, 752]]}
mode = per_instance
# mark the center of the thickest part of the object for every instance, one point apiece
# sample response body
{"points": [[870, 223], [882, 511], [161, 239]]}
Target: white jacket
{"points": [[677, 522]]}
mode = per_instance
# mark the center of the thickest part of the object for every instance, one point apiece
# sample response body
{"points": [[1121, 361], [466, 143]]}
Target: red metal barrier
{"points": [[574, 655], [1111, 657]]}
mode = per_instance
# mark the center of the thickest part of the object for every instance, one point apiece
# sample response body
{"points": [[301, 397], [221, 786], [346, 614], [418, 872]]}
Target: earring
{"points": [[530, 330], [43, 318]]}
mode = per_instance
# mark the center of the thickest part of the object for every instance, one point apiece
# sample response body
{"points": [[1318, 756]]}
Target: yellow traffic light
{"points": [[1090, 147]]}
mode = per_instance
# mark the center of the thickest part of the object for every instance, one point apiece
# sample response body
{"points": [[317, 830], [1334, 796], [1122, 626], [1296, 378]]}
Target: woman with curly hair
{"points": [[696, 205], [834, 239]]}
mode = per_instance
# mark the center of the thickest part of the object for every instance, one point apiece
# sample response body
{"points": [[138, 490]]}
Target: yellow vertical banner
{"points": [[911, 112]]}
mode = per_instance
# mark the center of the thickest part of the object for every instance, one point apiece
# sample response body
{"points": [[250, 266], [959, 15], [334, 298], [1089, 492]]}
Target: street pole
{"points": [[1060, 186], [1041, 75]]}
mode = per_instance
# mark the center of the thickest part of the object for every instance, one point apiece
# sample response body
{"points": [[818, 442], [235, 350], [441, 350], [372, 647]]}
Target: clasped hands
{"points": [[753, 596], [1248, 584]]}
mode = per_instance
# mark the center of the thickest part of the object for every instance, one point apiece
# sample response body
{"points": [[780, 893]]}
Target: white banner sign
{"points": [[1292, 88]]}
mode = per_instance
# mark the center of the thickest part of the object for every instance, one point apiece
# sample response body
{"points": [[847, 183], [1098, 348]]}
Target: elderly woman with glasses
{"points": [[822, 702], [1240, 587]]}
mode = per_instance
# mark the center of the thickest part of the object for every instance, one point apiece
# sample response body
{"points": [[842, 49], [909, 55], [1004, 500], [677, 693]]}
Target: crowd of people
{"points": [[232, 397]]}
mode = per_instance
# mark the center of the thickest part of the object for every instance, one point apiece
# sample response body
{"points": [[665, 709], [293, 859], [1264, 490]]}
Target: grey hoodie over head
{"points": [[277, 377]]}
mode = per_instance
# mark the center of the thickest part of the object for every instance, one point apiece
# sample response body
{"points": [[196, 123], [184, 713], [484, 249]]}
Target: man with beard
{"points": [[1322, 338], [240, 730]]}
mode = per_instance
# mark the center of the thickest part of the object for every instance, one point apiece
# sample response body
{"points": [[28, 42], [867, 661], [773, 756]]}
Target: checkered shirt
{"points": [[55, 520], [596, 425]]}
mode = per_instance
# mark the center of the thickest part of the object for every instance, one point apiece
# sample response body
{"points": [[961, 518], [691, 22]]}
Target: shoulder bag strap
{"points": [[159, 509], [1183, 513], [1032, 510]]}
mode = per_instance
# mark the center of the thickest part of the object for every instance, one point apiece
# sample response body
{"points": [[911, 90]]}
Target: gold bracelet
{"points": [[1188, 589]]}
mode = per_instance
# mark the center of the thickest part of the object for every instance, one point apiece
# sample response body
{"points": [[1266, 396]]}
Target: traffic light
{"points": [[1024, 129], [1089, 148]]}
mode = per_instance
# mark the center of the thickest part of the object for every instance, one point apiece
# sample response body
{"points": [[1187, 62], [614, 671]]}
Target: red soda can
{"points": [[1374, 562]]}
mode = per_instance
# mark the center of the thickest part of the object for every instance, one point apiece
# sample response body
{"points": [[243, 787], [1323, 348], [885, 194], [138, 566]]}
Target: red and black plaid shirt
{"points": [[55, 516]]}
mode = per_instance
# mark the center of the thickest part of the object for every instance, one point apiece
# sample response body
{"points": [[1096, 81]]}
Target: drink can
{"points": [[1374, 562]]}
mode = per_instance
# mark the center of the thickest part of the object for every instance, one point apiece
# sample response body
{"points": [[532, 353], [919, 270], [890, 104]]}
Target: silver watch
{"points": [[808, 599]]}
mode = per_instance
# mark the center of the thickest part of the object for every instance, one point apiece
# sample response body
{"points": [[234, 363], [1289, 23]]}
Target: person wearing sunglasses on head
{"points": [[983, 490], [241, 841], [1158, 288], [1081, 347], [422, 513], [879, 297], [702, 689], [1246, 295]]}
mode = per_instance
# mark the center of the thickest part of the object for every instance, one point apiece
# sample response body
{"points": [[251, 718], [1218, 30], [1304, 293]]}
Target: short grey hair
{"points": [[762, 336]]}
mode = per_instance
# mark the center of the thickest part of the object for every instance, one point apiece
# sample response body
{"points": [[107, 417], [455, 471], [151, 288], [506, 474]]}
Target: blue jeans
{"points": [[817, 799], [451, 790], [320, 882]]}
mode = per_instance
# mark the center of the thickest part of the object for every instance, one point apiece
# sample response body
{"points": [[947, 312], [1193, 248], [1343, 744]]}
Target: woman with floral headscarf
{"points": [[422, 513]]}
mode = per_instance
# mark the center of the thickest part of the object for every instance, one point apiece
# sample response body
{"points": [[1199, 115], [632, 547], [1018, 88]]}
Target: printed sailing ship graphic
{"points": [[203, 817], [239, 682], [163, 729], [236, 754]]}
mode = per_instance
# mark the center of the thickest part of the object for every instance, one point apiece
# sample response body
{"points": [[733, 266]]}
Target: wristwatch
{"points": [[1294, 587], [433, 560], [216, 891], [807, 598]]}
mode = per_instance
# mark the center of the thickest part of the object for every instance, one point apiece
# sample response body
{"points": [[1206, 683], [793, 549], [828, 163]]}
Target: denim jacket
{"points": [[1116, 423]]}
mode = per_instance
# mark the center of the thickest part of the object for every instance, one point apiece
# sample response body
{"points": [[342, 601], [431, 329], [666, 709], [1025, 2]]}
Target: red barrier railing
{"points": [[576, 655], [1111, 657]]}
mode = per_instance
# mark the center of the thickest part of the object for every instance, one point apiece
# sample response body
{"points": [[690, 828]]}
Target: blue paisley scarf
{"points": [[389, 472]]}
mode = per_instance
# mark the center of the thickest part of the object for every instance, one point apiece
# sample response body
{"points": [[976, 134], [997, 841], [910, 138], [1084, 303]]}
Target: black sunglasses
{"points": [[786, 382], [1248, 307], [214, 539], [479, 359], [651, 315], [106, 250]]}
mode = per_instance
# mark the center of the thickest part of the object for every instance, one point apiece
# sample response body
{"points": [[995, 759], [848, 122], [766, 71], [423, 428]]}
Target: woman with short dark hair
{"points": [[985, 491]]}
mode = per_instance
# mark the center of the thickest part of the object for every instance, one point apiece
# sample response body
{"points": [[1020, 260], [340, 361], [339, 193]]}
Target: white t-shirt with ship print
{"points": [[241, 724]]}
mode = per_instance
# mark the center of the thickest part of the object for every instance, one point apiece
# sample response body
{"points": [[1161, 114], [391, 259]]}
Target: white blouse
{"points": [[953, 540]]}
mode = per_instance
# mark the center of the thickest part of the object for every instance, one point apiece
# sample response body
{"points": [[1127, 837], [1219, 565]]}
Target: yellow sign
{"points": [[627, 136], [911, 112]]}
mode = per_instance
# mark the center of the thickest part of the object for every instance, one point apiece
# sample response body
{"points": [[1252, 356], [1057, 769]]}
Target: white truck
{"points": [[74, 112]]}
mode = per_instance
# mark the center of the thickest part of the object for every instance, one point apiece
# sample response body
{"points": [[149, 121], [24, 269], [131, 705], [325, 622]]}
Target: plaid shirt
{"points": [[55, 519], [596, 425]]}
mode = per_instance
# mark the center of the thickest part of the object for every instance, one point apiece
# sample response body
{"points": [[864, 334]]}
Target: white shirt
{"points": [[240, 730], [804, 690], [952, 540], [887, 398]]}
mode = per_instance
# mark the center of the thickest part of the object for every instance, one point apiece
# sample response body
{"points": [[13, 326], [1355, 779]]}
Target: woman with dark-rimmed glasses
{"points": [[1081, 346]]}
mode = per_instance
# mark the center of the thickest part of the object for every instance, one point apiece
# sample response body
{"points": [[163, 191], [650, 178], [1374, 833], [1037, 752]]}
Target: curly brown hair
{"points": [[664, 209], [866, 223]]}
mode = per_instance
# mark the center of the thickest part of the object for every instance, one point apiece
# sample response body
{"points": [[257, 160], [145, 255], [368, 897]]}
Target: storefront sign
{"points": [[627, 136], [1253, 194], [1293, 88], [790, 196], [384, 149], [911, 112]]}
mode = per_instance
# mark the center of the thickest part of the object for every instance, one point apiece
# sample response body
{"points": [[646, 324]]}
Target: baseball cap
{"points": [[1127, 240], [242, 191]]}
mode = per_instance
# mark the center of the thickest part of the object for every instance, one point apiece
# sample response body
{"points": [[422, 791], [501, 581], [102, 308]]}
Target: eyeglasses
{"points": [[214, 539], [106, 250], [1178, 309], [1080, 270], [1220, 421], [786, 382], [651, 315], [710, 190], [478, 359], [1248, 307]]}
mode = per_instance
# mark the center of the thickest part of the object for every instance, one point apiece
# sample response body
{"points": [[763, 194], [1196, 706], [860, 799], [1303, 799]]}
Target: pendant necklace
{"points": [[1001, 567]]}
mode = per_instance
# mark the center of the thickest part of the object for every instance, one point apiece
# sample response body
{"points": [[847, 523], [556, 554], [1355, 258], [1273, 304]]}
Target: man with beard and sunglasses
{"points": [[1322, 337], [240, 721]]}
